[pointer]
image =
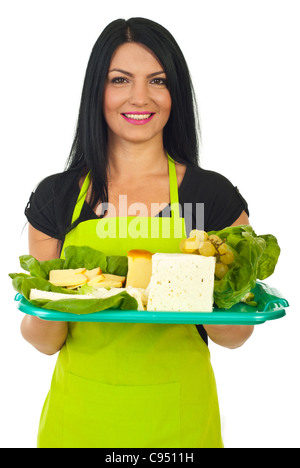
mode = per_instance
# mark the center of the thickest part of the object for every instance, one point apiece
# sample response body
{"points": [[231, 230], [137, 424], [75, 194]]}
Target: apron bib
{"points": [[123, 385]]}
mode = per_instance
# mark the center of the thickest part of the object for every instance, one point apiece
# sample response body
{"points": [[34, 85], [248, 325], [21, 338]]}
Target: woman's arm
{"points": [[47, 337], [242, 219], [231, 336]]}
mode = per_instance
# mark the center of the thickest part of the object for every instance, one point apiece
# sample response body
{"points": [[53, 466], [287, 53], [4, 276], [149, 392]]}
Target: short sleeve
{"points": [[226, 205], [40, 209], [209, 200]]}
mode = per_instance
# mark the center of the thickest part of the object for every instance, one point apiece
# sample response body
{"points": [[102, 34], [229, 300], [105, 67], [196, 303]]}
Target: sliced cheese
{"points": [[107, 279], [181, 282], [92, 273], [79, 270], [139, 268], [107, 284], [110, 277], [68, 277], [96, 280], [73, 279]]}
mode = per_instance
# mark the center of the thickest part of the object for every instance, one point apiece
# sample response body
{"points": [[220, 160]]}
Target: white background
{"points": [[244, 60]]}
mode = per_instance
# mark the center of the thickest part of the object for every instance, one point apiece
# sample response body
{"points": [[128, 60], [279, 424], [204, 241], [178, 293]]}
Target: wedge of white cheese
{"points": [[98, 293], [54, 296], [181, 282]]}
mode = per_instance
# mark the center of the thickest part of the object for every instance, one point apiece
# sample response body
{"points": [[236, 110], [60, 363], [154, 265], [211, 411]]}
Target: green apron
{"points": [[124, 385]]}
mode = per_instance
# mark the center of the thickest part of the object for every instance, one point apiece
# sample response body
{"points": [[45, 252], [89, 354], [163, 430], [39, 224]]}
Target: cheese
{"points": [[117, 278], [138, 294], [95, 280], [92, 273], [189, 245], [54, 296], [72, 279], [139, 268], [106, 284], [68, 277], [99, 293], [181, 282]]}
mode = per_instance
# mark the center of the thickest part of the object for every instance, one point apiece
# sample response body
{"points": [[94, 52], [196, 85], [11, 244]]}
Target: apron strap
{"points": [[174, 199], [81, 198]]}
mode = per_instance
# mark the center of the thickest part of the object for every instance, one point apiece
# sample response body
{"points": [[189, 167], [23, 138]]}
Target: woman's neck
{"points": [[126, 159]]}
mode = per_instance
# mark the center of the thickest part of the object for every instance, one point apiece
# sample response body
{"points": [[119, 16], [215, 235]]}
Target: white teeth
{"points": [[138, 117]]}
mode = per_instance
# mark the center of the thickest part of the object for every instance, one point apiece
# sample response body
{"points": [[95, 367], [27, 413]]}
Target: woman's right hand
{"points": [[46, 336]]}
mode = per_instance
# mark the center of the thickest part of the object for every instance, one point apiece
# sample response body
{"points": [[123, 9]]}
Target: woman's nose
{"points": [[139, 94]]}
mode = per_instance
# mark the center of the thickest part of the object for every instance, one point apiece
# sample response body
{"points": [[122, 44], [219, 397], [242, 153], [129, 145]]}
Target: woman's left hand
{"points": [[231, 336]]}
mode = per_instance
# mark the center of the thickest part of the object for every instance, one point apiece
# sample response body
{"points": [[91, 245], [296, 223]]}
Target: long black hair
{"points": [[181, 133]]}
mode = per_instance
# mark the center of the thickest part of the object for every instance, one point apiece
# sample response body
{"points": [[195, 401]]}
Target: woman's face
{"points": [[137, 102]]}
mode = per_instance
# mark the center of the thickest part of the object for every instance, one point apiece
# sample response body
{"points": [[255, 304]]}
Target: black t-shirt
{"points": [[207, 199]]}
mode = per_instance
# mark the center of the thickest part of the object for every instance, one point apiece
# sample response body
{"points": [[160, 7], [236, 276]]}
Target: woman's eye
{"points": [[160, 81], [119, 80]]}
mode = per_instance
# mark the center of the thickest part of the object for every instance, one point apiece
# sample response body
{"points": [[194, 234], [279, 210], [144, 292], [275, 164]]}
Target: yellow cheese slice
{"points": [[73, 278], [116, 278], [96, 280], [92, 273], [80, 270], [67, 277], [108, 284]]}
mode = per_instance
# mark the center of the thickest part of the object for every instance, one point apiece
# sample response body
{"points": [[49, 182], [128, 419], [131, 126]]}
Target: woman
{"points": [[131, 385]]}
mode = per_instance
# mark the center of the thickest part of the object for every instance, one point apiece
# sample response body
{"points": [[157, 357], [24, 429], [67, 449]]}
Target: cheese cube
{"points": [[181, 282], [139, 268]]}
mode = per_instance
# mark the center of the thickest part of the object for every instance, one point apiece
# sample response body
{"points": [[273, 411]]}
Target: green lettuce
{"points": [[255, 258], [75, 257]]}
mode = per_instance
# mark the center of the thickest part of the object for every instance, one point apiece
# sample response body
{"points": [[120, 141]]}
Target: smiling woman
{"points": [[131, 385]]}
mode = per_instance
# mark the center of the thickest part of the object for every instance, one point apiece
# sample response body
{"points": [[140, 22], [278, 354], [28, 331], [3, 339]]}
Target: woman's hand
{"points": [[231, 336], [47, 337]]}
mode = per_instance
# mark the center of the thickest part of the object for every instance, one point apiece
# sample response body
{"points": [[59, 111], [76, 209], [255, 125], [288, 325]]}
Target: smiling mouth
{"points": [[138, 118]]}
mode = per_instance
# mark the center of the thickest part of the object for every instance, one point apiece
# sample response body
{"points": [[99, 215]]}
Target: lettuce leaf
{"points": [[117, 265], [255, 257], [74, 257], [40, 269], [122, 301], [84, 257], [269, 257]]}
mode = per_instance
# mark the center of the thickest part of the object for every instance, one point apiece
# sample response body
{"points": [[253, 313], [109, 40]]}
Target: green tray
{"points": [[270, 306]]}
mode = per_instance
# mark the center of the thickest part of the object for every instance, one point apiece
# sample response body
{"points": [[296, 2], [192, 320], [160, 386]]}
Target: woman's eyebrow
{"points": [[131, 75]]}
